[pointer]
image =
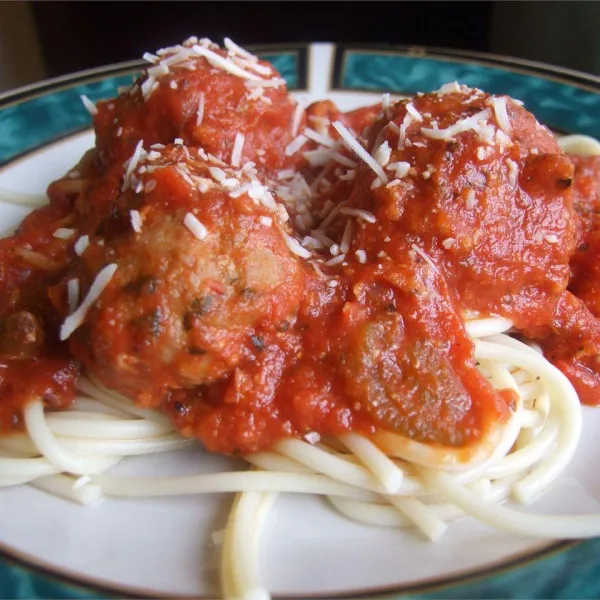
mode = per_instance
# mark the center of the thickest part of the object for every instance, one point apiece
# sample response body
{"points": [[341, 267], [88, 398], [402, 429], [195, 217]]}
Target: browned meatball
{"points": [[206, 273], [206, 96], [488, 201]]}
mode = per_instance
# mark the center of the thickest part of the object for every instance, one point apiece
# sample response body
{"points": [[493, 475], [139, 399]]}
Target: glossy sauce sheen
{"points": [[242, 342]]}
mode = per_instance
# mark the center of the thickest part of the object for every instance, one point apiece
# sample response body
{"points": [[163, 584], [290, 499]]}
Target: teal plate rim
{"points": [[91, 587], [76, 583]]}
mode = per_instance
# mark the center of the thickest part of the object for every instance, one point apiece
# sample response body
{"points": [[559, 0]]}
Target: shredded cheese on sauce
{"points": [[476, 123], [499, 105], [355, 146], [236, 153], [73, 293], [513, 172], [76, 319], [319, 138], [425, 257], [382, 154], [295, 145], [81, 245], [471, 201], [197, 229], [294, 246], [365, 215], [225, 64], [297, 120], [63, 233], [450, 88], [136, 220], [132, 164], [200, 109]]}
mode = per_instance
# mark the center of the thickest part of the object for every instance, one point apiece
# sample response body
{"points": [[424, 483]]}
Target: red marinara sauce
{"points": [[573, 340], [214, 315], [33, 363]]}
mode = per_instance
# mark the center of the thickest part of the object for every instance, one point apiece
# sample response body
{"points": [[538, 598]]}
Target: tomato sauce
{"points": [[216, 317], [33, 364]]}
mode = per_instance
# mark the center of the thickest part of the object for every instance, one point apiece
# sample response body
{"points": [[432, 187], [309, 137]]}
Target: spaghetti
{"points": [[308, 289]]}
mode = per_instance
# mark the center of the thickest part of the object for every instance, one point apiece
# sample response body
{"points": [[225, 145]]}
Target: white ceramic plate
{"points": [[162, 546]]}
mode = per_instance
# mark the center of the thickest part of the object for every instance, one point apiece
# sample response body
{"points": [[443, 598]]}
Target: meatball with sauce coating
{"points": [[480, 188], [207, 97], [199, 274], [464, 206]]}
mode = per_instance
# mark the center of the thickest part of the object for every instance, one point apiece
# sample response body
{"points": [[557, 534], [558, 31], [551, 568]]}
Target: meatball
{"points": [[203, 267], [478, 186], [205, 96], [464, 204]]}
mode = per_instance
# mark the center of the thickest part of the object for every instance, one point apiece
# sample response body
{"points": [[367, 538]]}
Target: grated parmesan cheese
{"points": [[295, 145], [402, 168], [149, 57], [197, 229], [312, 243], [235, 49], [294, 246], [159, 70], [131, 164], [424, 256], [297, 119], [476, 122], [359, 213], [344, 160], [136, 220], [383, 154], [513, 172], [449, 88], [75, 319], [413, 112], [200, 110], [236, 153], [336, 260], [318, 157], [148, 87], [225, 64], [312, 437], [347, 237], [73, 294], [499, 105], [361, 256], [285, 174], [252, 84], [319, 138], [503, 140], [81, 245], [254, 66], [355, 146], [470, 201], [63, 233]]}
